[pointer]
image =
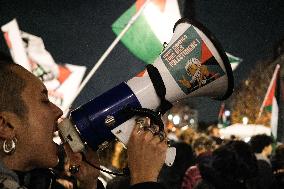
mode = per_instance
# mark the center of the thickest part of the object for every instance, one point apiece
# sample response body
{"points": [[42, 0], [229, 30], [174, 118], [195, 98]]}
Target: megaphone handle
{"points": [[159, 87], [170, 156], [155, 117]]}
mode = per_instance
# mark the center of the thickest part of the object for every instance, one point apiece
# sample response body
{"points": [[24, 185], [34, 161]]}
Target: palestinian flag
{"points": [[27, 50], [234, 61], [221, 115], [145, 38], [152, 28], [270, 104]]}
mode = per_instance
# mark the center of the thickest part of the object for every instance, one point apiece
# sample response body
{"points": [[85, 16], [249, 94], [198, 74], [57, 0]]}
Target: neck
{"points": [[264, 153], [16, 162]]}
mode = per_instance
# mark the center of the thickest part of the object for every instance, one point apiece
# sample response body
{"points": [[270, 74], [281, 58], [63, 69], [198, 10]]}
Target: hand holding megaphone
{"points": [[146, 152], [192, 64]]}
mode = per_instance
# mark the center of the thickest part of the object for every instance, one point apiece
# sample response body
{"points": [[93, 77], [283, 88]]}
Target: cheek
{"points": [[42, 117], [40, 129]]}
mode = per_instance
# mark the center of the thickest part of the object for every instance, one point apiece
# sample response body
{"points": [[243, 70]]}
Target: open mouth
{"points": [[56, 138]]}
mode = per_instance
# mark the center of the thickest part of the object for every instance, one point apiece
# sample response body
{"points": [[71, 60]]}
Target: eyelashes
{"points": [[45, 101]]}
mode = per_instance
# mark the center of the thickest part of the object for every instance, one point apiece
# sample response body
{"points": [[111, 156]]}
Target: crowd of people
{"points": [[206, 161]]}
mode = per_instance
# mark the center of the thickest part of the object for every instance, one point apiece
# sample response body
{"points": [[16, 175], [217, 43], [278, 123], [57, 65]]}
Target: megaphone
{"points": [[192, 64]]}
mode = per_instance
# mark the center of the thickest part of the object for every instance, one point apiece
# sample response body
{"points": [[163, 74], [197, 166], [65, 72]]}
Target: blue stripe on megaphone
{"points": [[90, 117]]}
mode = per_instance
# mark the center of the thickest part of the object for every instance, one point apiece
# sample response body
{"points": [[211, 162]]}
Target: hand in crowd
{"points": [[86, 175], [65, 183], [146, 155]]}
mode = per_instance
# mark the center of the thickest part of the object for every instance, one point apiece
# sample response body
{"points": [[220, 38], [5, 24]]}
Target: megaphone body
{"points": [[192, 64]]}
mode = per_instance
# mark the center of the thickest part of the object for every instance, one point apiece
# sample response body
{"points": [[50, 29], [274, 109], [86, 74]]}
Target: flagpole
{"points": [[268, 90], [106, 53]]}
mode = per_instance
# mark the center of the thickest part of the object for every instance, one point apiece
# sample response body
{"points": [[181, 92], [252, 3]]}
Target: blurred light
{"points": [[184, 128], [227, 113], [176, 119], [185, 117], [174, 129], [170, 117], [191, 121], [247, 139], [245, 120], [220, 125]]}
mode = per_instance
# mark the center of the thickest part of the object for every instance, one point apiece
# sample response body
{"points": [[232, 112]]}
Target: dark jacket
{"points": [[192, 175], [172, 177], [265, 177], [44, 179], [278, 172], [147, 185]]}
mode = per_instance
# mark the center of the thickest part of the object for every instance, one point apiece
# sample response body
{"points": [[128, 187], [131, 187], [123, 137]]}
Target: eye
{"points": [[45, 101]]}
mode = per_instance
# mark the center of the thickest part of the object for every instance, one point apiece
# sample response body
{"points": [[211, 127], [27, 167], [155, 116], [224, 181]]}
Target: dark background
{"points": [[78, 32]]}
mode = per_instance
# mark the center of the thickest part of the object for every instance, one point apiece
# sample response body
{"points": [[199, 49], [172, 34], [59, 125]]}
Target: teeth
{"points": [[56, 138]]}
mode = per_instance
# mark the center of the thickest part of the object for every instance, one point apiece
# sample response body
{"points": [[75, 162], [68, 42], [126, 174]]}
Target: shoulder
{"points": [[8, 178], [9, 183]]}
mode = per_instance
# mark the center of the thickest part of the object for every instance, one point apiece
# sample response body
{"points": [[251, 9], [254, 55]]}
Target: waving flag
{"points": [[29, 51], [234, 61], [154, 26], [152, 29], [270, 104]]}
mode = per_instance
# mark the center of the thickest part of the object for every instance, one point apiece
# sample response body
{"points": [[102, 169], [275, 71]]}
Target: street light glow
{"points": [[176, 119]]}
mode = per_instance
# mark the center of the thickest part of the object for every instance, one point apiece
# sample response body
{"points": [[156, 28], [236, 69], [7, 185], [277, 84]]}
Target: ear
{"points": [[6, 129]]}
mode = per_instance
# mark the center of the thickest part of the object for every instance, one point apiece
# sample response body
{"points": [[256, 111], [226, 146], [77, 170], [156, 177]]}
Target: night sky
{"points": [[78, 32]]}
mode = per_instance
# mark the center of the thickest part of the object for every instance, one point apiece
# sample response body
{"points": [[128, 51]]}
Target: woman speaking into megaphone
{"points": [[192, 64], [27, 122]]}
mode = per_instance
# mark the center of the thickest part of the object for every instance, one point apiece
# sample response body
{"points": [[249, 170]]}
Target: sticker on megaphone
{"points": [[193, 64]]}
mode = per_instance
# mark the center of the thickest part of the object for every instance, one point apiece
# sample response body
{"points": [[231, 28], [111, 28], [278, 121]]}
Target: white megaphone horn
{"points": [[192, 64]]}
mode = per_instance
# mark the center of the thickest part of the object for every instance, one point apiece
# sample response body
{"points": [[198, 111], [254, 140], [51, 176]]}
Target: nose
{"points": [[58, 112]]}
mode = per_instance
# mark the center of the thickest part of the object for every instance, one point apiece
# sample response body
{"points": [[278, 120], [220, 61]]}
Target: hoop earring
{"points": [[9, 146]]}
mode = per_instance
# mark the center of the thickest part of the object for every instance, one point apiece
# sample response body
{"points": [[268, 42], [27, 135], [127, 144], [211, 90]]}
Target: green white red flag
{"points": [[270, 103], [27, 50], [154, 27]]}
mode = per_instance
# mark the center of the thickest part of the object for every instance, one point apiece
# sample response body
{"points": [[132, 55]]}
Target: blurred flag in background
{"points": [[270, 105], [61, 81]]}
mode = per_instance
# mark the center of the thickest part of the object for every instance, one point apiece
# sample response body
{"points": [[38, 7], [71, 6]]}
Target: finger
{"points": [[135, 132], [149, 134], [140, 124], [163, 144], [160, 137], [155, 127], [151, 130], [156, 140], [163, 136]]}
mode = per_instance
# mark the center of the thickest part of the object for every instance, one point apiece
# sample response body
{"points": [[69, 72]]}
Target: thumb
{"points": [[72, 157]]}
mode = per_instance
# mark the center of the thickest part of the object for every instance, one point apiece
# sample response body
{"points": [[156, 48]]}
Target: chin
{"points": [[50, 159]]}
